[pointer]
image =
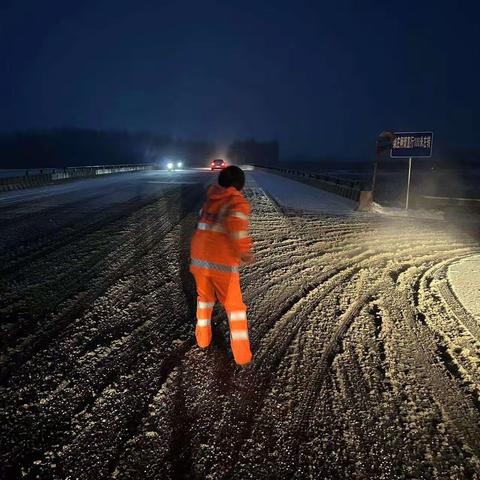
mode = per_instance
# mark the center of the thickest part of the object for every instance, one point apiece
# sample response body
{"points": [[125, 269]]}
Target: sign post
{"points": [[408, 181], [411, 145]]}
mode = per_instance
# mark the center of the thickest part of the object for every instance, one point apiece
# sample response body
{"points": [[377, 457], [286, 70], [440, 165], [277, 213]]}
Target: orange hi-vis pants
{"points": [[225, 287]]}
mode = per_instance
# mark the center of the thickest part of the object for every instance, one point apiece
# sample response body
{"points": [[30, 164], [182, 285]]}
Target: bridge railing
{"points": [[56, 175]]}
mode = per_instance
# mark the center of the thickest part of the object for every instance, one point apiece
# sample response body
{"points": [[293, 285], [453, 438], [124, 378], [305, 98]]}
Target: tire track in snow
{"points": [[457, 407], [238, 423], [425, 245], [107, 372], [116, 264]]}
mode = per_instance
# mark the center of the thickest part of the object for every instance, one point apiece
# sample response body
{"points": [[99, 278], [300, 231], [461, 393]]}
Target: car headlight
{"points": [[179, 164], [169, 165]]}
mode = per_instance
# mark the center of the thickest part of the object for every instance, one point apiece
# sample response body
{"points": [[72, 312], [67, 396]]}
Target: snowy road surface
{"points": [[366, 365], [299, 196]]}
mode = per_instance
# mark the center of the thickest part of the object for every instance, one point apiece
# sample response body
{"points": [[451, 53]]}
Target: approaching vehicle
{"points": [[218, 164], [174, 166]]}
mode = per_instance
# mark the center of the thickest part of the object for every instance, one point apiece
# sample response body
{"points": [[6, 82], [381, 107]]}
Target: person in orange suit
{"points": [[219, 245]]}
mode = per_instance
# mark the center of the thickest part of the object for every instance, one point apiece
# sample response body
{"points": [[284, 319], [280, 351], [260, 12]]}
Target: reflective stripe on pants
{"points": [[219, 267], [225, 288], [203, 329]]}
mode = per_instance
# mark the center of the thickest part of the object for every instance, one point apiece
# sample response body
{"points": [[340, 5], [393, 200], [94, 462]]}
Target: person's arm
{"points": [[237, 223]]}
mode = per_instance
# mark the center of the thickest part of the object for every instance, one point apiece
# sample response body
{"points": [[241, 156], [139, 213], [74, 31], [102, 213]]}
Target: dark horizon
{"points": [[66, 147], [322, 80]]}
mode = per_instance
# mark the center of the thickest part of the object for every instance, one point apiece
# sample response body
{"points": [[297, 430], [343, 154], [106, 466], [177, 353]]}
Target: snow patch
{"points": [[464, 278]]}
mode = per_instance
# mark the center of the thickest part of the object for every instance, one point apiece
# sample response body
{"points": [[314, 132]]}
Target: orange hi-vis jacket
{"points": [[217, 245], [222, 231]]}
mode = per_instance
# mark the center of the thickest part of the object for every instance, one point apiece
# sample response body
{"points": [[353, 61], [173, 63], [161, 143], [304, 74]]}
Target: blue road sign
{"points": [[412, 145]]}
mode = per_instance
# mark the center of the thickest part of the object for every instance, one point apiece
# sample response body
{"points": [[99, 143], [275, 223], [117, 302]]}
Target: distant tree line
{"points": [[253, 152], [66, 147]]}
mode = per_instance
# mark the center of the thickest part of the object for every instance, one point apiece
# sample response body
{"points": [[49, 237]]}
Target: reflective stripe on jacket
{"points": [[222, 231]]}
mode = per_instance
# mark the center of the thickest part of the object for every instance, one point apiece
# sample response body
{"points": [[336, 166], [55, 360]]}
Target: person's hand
{"points": [[247, 258]]}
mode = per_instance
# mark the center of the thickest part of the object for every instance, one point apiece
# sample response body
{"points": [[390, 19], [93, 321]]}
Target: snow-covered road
{"points": [[365, 365], [299, 196]]}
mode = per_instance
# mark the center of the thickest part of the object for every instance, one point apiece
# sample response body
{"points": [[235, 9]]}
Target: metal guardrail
{"points": [[55, 175], [440, 203]]}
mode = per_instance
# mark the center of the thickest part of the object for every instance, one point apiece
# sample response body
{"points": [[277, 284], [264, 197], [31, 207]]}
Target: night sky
{"points": [[324, 78]]}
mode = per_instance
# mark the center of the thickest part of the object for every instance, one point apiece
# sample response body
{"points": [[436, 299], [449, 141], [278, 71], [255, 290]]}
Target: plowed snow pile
{"points": [[464, 277], [366, 364]]}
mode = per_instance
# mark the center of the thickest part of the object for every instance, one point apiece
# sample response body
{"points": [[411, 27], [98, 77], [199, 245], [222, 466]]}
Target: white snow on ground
{"points": [[410, 213], [296, 195], [299, 196], [464, 277]]}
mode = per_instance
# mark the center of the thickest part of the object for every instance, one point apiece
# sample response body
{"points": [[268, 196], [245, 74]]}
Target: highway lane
{"points": [[363, 365], [26, 215]]}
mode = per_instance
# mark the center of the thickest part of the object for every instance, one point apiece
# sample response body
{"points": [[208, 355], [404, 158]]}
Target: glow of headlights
{"points": [[169, 165], [179, 164]]}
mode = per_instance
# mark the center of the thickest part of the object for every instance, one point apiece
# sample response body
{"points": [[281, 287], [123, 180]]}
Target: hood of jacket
{"points": [[217, 192]]}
